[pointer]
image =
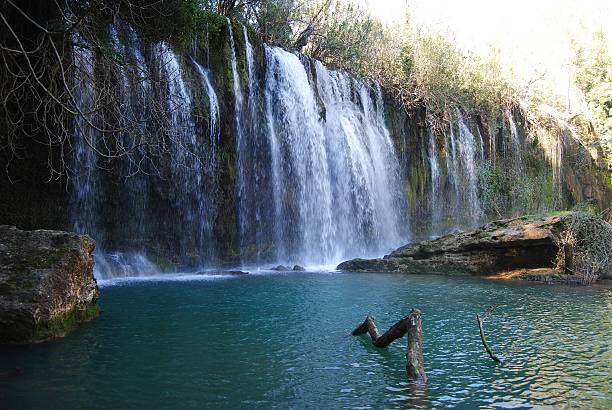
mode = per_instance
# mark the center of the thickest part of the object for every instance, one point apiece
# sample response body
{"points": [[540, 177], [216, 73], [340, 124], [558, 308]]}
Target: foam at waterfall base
{"points": [[122, 269], [123, 264]]}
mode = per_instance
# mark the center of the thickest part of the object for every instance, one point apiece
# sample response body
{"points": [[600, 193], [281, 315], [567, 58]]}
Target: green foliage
{"points": [[502, 192], [173, 20], [208, 21], [593, 76], [444, 76], [344, 36], [495, 188], [273, 20]]}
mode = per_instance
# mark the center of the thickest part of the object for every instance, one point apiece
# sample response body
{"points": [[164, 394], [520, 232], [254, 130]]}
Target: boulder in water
{"points": [[298, 268], [281, 268], [47, 287], [235, 272]]}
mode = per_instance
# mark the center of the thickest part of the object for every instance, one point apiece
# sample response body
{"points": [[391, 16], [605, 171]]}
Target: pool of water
{"points": [[282, 340]]}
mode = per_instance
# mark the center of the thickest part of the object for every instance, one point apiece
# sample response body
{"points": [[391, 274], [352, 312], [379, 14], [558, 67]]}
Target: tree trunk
{"points": [[411, 324], [415, 365]]}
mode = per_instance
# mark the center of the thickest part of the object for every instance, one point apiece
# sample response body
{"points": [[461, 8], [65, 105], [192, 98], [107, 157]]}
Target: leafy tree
{"points": [[593, 76]]}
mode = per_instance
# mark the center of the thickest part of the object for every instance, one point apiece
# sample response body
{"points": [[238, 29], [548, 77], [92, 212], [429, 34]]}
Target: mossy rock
{"points": [[47, 287]]}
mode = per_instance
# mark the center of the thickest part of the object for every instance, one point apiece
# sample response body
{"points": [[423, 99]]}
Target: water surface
{"points": [[281, 340]]}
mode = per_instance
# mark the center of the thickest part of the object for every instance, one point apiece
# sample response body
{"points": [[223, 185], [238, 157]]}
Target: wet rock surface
{"points": [[47, 287]]}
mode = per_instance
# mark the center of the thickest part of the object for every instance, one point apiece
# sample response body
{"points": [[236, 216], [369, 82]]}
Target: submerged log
{"points": [[481, 320], [411, 324]]}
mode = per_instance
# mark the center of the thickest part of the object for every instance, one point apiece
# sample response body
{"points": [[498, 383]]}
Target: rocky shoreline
{"points": [[47, 287], [520, 248]]}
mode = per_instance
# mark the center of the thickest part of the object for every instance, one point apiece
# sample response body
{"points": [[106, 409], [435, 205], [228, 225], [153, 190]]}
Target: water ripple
{"points": [[281, 341]]}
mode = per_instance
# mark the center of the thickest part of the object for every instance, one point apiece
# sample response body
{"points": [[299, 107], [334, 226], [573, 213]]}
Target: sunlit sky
{"points": [[532, 34]]}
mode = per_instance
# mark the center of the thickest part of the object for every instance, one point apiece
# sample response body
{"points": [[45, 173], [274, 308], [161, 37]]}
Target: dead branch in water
{"points": [[481, 320], [411, 325]]}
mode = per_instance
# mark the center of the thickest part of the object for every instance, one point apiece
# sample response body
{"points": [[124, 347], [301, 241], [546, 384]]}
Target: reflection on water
{"points": [[283, 341]]}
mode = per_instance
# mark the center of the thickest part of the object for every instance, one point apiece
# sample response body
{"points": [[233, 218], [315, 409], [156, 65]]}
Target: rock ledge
{"points": [[525, 243]]}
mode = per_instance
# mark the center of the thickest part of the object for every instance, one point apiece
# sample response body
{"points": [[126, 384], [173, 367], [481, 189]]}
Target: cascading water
{"points": [[133, 90], [255, 192], [241, 143], [452, 167], [313, 177], [480, 145], [434, 167], [462, 169], [213, 107], [193, 206], [514, 139], [334, 170], [467, 151], [85, 179]]}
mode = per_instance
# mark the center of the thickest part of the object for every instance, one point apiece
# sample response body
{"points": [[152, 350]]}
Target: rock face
{"points": [[47, 287], [499, 246]]}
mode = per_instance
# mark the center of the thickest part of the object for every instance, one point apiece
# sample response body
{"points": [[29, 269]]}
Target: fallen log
{"points": [[412, 325], [481, 320]]}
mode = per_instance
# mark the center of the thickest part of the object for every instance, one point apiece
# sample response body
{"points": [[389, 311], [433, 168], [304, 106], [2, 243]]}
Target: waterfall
{"points": [[480, 144], [193, 206], [253, 156], [85, 166], [452, 167], [462, 169], [240, 138], [435, 183], [514, 140], [317, 178], [467, 151], [213, 108], [133, 91], [265, 156], [334, 171]]}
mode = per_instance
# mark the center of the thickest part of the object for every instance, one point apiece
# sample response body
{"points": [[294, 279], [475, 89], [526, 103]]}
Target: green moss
{"points": [[208, 21], [49, 259], [23, 277], [411, 197], [61, 326]]}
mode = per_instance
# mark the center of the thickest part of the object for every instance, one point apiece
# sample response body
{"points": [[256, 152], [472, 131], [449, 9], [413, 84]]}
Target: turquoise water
{"points": [[281, 340]]}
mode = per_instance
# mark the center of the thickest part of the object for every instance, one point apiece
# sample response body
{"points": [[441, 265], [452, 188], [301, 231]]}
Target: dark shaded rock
{"points": [[298, 268], [47, 287], [281, 268], [235, 272], [504, 245]]}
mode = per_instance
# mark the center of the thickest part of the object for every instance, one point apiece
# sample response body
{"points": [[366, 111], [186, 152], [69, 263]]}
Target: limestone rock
{"points": [[47, 287], [504, 245]]}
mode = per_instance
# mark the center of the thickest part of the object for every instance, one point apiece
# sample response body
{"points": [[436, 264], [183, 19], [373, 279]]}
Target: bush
{"points": [[585, 248]]}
